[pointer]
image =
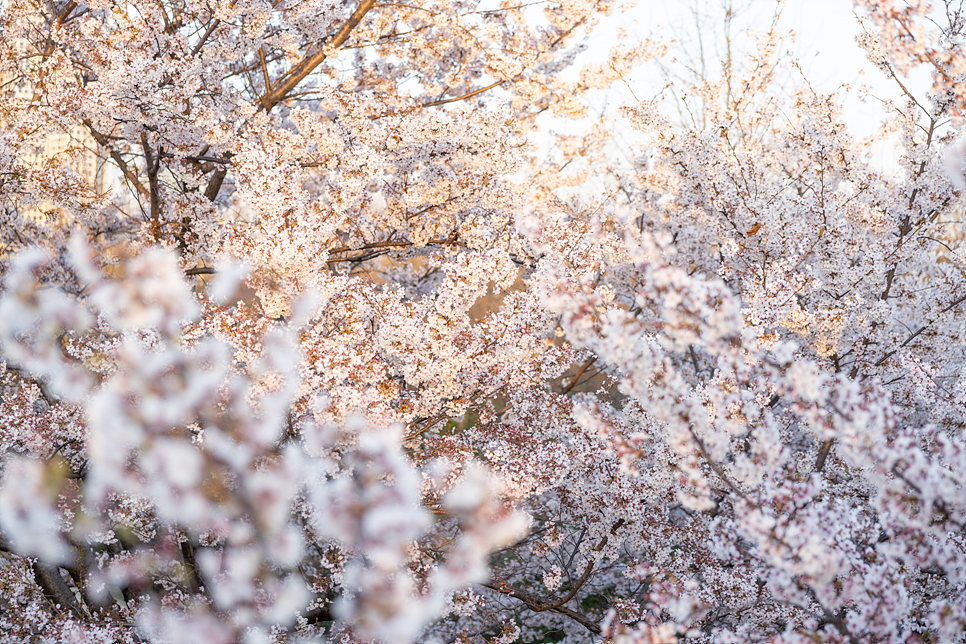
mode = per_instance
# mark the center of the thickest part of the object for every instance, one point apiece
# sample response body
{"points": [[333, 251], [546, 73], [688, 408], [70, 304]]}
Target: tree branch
{"points": [[275, 95], [580, 372], [105, 143], [55, 589], [823, 453], [153, 164], [538, 605]]}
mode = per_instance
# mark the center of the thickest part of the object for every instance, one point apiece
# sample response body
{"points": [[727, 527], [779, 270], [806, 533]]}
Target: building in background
{"points": [[72, 148]]}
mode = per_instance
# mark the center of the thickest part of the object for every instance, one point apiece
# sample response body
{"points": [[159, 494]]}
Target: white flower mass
{"points": [[317, 326]]}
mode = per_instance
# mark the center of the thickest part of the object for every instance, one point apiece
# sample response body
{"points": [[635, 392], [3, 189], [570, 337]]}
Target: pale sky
{"points": [[824, 45]]}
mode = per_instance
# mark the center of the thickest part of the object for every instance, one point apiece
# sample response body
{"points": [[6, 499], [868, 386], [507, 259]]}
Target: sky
{"points": [[826, 39], [824, 45], [825, 31], [830, 57]]}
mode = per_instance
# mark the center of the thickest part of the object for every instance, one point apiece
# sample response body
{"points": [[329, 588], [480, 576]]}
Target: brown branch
{"points": [[890, 275], [195, 582], [55, 589], [580, 372], [153, 165], [937, 503], [62, 16], [50, 580], [916, 334], [376, 245], [533, 603], [264, 65], [215, 183], [464, 96], [538, 605], [103, 141], [205, 37], [906, 226], [823, 453], [444, 101], [717, 470], [566, 33], [45, 392], [274, 95]]}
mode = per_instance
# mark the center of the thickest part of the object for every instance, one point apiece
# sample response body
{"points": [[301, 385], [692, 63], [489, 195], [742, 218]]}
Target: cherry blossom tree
{"points": [[343, 354]]}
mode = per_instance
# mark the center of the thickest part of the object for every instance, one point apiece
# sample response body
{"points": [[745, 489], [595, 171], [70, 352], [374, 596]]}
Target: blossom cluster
{"points": [[342, 356]]}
